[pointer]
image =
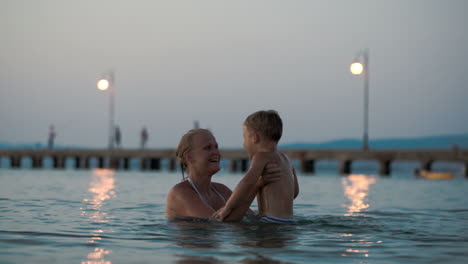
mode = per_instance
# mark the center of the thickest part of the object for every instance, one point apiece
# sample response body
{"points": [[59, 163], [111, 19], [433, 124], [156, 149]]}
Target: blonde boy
{"points": [[262, 131]]}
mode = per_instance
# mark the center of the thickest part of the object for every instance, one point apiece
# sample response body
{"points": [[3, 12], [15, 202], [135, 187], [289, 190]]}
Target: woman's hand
{"points": [[271, 173], [222, 213]]}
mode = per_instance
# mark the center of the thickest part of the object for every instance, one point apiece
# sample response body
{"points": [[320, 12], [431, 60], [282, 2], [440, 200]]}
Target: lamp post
{"points": [[103, 84], [358, 67]]}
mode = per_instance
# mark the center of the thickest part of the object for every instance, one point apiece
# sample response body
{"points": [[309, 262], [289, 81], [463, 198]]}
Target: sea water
{"points": [[106, 216]]}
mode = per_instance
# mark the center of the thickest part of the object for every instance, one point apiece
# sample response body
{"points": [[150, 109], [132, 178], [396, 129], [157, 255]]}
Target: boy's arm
{"points": [[271, 173], [237, 213], [296, 184], [245, 191]]}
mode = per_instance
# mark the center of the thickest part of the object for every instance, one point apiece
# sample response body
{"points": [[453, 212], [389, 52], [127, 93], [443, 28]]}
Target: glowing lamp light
{"points": [[103, 84], [356, 68]]}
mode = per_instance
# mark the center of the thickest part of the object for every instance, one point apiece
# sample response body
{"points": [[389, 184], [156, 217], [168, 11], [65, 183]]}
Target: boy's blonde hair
{"points": [[267, 123]]}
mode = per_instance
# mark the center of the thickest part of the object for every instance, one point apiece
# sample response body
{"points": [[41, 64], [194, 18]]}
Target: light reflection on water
{"points": [[356, 189], [101, 188]]}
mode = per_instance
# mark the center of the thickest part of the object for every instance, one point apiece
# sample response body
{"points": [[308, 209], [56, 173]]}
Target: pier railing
{"points": [[150, 159]]}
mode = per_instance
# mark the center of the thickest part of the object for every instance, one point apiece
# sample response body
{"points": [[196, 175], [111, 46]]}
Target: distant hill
{"points": [[4, 145], [432, 142]]}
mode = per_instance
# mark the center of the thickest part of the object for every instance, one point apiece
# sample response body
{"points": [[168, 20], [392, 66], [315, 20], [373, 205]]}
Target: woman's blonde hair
{"points": [[185, 145]]}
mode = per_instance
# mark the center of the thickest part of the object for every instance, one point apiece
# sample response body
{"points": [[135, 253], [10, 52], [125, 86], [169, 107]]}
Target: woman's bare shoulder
{"points": [[179, 188], [177, 198], [179, 194]]}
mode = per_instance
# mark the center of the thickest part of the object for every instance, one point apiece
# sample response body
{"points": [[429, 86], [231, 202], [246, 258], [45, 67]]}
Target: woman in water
{"points": [[197, 196]]}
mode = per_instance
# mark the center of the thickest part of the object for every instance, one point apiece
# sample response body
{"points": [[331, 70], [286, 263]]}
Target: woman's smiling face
{"points": [[205, 154]]}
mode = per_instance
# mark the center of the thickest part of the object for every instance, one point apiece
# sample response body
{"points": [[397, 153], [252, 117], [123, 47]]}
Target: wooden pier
{"points": [[150, 159]]}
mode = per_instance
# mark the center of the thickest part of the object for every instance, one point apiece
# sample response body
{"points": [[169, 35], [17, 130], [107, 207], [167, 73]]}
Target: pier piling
{"points": [[345, 167], [384, 168], [308, 166]]}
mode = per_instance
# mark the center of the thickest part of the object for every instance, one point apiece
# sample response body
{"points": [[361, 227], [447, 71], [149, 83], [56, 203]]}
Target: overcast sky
{"points": [[218, 61]]}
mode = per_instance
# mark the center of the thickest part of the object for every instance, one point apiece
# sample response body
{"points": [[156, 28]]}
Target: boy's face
{"points": [[247, 138]]}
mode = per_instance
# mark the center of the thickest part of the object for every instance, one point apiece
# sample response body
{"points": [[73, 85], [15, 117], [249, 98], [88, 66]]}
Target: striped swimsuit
{"points": [[276, 220]]}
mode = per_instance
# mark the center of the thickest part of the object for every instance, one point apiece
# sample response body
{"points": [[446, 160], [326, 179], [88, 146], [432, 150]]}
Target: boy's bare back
{"points": [[276, 199]]}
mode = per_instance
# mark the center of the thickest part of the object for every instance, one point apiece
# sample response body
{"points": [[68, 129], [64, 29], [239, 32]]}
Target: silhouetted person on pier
{"points": [[51, 137], [117, 137], [143, 137]]}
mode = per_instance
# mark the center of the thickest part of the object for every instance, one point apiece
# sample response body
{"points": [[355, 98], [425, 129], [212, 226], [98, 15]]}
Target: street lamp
{"points": [[358, 67], [103, 84]]}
